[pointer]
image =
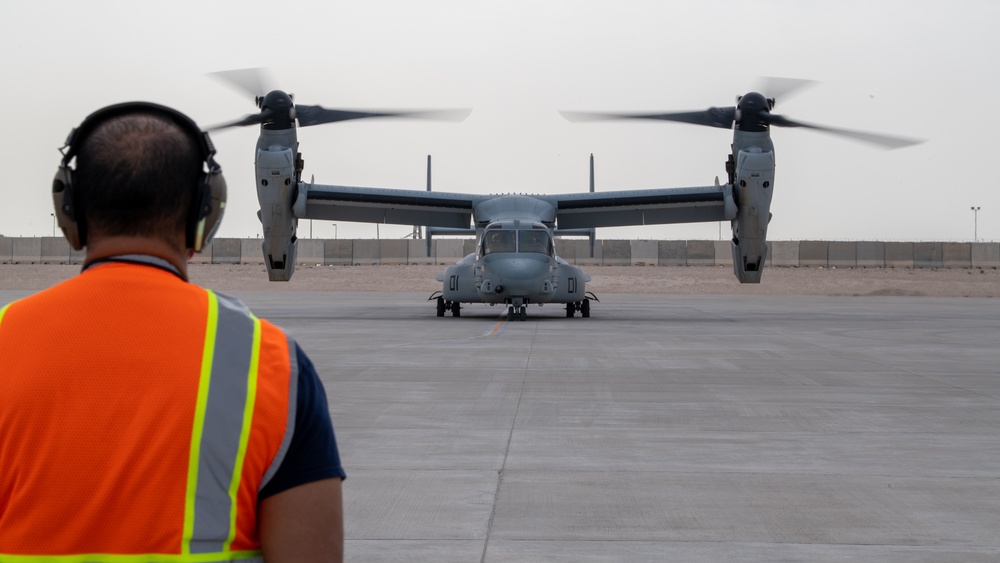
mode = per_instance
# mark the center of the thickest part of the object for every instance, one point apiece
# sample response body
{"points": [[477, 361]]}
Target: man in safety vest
{"points": [[143, 418]]}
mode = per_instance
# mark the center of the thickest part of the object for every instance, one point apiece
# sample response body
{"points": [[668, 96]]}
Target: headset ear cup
{"points": [[207, 223], [62, 200]]}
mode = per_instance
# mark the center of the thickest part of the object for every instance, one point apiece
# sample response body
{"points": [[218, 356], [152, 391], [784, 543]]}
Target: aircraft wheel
{"points": [[456, 309], [524, 313], [510, 313], [570, 309], [585, 308], [440, 306]]}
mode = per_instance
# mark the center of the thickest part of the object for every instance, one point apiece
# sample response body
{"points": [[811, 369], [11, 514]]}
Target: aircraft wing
{"points": [[384, 205], [645, 207]]}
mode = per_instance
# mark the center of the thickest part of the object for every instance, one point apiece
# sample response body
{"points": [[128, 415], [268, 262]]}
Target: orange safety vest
{"points": [[139, 417]]}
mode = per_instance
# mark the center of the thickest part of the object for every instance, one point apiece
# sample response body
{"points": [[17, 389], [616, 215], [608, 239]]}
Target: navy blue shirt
{"points": [[312, 454]]}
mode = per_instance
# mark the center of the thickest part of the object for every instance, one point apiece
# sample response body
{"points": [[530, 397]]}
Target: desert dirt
{"points": [[973, 282]]}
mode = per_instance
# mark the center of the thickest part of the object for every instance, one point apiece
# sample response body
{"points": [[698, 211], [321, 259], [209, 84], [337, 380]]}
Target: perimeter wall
{"points": [[340, 252]]}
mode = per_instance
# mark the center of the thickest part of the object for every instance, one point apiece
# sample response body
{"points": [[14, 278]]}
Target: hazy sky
{"points": [[914, 68]]}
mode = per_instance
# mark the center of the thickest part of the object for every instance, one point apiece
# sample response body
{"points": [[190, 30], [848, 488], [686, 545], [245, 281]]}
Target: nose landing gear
{"points": [[521, 313]]}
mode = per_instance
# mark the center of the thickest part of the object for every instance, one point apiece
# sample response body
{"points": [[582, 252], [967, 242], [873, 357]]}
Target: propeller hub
{"points": [[277, 111], [754, 111]]}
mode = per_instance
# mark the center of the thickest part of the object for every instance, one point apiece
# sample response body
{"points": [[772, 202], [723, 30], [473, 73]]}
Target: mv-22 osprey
{"points": [[515, 263]]}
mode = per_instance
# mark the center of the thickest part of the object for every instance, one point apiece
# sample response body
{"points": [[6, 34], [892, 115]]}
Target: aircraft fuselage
{"points": [[515, 264]]}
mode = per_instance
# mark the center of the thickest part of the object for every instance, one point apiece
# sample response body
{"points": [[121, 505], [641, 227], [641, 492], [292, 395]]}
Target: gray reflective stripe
{"points": [[293, 402], [223, 426]]}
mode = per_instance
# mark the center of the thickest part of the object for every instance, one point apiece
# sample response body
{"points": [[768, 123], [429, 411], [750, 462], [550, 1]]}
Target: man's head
{"points": [[142, 170]]}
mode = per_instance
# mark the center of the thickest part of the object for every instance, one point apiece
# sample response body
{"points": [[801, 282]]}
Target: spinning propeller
{"points": [[752, 113], [278, 111]]}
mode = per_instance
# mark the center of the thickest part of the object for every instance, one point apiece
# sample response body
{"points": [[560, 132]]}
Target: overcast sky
{"points": [[913, 68]]}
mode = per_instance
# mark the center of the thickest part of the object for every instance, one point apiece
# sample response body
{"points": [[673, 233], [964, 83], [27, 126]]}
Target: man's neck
{"points": [[106, 247]]}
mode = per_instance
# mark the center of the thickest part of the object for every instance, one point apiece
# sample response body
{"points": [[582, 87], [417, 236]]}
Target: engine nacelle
{"points": [[276, 188], [752, 187]]}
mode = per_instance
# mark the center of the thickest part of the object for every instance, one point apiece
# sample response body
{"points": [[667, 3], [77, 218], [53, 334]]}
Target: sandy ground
{"points": [[606, 280]]}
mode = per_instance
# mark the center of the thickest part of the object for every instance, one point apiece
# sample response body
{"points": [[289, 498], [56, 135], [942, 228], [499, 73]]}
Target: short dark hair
{"points": [[136, 174]]}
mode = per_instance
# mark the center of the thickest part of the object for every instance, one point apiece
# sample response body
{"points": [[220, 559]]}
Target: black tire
{"points": [[570, 309], [456, 309], [510, 313], [440, 306], [585, 308], [524, 313]]}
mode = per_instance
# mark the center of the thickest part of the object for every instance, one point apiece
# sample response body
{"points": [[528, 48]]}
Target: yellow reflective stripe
{"points": [[234, 485], [4, 310], [199, 422], [234, 556]]}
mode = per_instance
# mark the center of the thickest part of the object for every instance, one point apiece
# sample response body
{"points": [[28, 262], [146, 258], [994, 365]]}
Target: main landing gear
{"points": [[582, 306], [442, 305]]}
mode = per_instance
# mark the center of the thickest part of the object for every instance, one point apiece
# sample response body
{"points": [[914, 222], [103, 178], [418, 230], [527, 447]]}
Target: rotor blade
{"points": [[780, 88], [252, 119], [885, 141], [712, 117], [254, 81], [316, 115]]}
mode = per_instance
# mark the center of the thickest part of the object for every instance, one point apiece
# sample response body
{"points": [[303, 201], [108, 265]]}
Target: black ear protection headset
{"points": [[208, 202]]}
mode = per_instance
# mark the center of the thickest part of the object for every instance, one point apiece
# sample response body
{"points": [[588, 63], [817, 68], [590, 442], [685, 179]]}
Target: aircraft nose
{"points": [[519, 275]]}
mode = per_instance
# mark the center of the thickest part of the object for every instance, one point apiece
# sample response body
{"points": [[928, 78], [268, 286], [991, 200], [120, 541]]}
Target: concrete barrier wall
{"points": [[814, 253], [449, 251], [310, 252], [986, 255], [252, 251], [338, 252], [342, 252], [842, 254], [672, 253], [701, 253], [616, 253], [416, 252], [928, 255], [899, 255], [6, 250], [645, 252], [55, 250], [226, 251], [871, 254]]}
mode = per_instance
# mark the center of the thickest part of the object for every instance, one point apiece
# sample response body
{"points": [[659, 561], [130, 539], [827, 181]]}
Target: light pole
{"points": [[975, 223], [335, 231], [53, 223]]}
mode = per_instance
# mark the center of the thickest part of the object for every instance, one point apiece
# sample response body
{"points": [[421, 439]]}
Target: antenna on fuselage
{"points": [[593, 232], [591, 174], [416, 228]]}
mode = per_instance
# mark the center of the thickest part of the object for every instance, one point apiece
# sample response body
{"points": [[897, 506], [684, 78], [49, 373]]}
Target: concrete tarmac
{"points": [[685, 428], [663, 428]]}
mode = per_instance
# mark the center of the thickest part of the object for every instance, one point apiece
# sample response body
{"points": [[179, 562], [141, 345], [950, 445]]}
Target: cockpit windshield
{"points": [[534, 240], [498, 240], [517, 240]]}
